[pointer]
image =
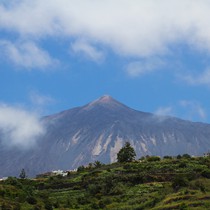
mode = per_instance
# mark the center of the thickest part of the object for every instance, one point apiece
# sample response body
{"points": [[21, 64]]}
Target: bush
{"points": [[56, 204], [95, 206], [183, 206], [94, 189], [107, 201], [153, 158], [200, 185], [182, 165], [14, 181], [2, 192], [187, 156], [118, 189], [17, 206], [31, 200], [178, 156], [5, 206], [206, 173], [48, 205], [167, 157], [82, 200], [127, 166], [179, 181], [37, 207]]}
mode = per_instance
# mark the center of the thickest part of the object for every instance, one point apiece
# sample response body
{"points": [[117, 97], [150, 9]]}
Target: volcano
{"points": [[97, 131]]}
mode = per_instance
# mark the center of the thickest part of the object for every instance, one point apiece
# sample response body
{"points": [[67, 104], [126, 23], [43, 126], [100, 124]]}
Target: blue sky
{"points": [[58, 54]]}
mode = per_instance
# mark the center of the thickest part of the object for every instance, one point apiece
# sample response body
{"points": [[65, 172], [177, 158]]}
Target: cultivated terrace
{"points": [[181, 182]]}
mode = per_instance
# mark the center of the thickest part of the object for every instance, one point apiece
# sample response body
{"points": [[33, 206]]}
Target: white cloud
{"points": [[26, 54], [139, 68], [185, 109], [164, 111], [134, 28], [40, 100], [199, 79], [193, 109], [18, 127], [83, 47]]}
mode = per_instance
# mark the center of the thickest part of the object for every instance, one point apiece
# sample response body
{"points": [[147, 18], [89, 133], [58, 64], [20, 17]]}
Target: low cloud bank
{"points": [[19, 128]]}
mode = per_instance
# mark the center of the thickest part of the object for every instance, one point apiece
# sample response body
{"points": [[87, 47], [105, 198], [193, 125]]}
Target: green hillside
{"points": [[150, 183]]}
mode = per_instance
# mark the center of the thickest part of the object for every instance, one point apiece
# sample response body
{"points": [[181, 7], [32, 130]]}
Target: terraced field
{"points": [[150, 183]]}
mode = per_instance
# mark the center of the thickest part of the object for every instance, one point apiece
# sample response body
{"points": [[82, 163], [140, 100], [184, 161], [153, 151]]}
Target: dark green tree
{"points": [[187, 156], [126, 154], [98, 164], [22, 174], [81, 168]]}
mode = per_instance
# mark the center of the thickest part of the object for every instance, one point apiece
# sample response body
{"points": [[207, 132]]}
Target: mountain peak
{"points": [[105, 101]]}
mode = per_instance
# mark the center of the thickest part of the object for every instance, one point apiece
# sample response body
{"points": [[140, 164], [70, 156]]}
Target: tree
{"points": [[81, 168], [98, 164], [22, 174], [187, 156], [126, 153]]}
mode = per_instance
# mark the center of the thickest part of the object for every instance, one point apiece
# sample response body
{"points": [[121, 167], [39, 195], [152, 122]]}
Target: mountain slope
{"points": [[98, 130]]}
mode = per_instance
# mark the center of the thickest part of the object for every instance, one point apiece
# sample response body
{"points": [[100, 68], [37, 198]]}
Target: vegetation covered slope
{"points": [[150, 183]]}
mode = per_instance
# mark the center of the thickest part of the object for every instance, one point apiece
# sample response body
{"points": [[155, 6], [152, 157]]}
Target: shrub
{"points": [[2, 192], [5, 206], [37, 207], [107, 201], [183, 206], [17, 206], [95, 206], [31, 200], [56, 204], [182, 165], [14, 181], [206, 173], [167, 157], [187, 156], [179, 181], [82, 200], [200, 185], [94, 189], [153, 158], [48, 205], [178, 156], [127, 166], [118, 189]]}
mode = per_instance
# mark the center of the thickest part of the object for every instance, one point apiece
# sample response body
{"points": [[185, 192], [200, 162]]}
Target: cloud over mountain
{"points": [[18, 127]]}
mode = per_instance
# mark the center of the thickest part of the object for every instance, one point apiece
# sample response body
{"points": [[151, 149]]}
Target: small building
{"points": [[206, 154], [60, 172], [3, 178]]}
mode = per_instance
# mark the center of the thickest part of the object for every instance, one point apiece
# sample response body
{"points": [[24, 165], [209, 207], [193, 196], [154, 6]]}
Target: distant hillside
{"points": [[97, 131], [152, 183]]}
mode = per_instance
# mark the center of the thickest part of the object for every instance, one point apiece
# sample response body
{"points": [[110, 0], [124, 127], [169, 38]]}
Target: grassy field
{"points": [[150, 183]]}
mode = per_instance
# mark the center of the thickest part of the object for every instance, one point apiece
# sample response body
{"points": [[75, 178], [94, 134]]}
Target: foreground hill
{"points": [[151, 183], [97, 131]]}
